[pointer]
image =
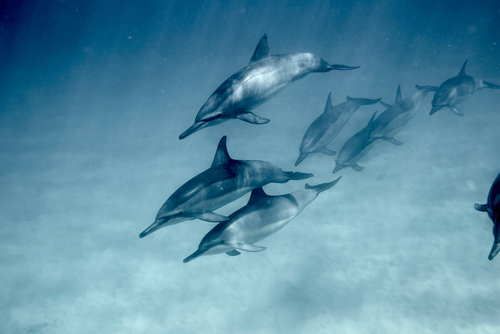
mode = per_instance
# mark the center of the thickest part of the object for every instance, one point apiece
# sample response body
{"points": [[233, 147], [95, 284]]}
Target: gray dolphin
{"points": [[395, 118], [265, 76], [225, 181], [492, 207], [457, 89], [328, 125], [355, 148], [261, 217]]}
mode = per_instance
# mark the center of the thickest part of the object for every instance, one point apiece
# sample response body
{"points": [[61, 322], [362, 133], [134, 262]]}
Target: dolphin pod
{"points": [[263, 216], [263, 78], [492, 207], [225, 181]]}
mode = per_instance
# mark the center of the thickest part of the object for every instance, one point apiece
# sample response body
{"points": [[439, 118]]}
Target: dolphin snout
{"points": [[159, 223]]}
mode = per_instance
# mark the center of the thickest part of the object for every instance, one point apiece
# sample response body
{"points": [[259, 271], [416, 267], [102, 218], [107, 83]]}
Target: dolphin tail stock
{"points": [[494, 250], [297, 176], [323, 186], [363, 101], [340, 67], [490, 85], [429, 88]]}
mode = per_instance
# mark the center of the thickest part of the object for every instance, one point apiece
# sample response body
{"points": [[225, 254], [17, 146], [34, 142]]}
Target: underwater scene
{"points": [[249, 166]]}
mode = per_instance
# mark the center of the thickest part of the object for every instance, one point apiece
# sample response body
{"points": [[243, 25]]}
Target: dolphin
{"points": [[492, 207], [355, 148], [265, 76], [262, 216], [456, 90], [395, 118], [328, 125], [225, 181]]}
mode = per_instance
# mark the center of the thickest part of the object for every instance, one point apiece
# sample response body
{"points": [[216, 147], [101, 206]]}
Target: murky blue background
{"points": [[94, 95]]}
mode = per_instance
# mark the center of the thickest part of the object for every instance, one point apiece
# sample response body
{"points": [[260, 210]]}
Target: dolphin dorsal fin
{"points": [[399, 97], [261, 51], [221, 155], [257, 195], [462, 71], [328, 105]]}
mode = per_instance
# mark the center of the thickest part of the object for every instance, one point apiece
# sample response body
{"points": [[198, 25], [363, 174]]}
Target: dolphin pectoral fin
{"points": [[234, 252], [481, 207], [327, 151], [207, 216], [387, 105], [494, 250], [490, 85], [323, 186], [357, 167], [430, 88], [341, 67], [261, 51], [250, 117], [456, 111], [297, 175], [250, 247], [394, 141]]}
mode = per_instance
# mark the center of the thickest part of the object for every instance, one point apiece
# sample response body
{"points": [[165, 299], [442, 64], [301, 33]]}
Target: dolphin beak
{"points": [[435, 109], [337, 168], [300, 159], [193, 256], [195, 127], [159, 223]]}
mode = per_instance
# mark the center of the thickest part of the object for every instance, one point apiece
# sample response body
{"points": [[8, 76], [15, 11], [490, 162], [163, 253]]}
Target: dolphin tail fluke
{"points": [[250, 117], [362, 101], [298, 175], [429, 88], [481, 207], [323, 186], [341, 67], [494, 250], [490, 85]]}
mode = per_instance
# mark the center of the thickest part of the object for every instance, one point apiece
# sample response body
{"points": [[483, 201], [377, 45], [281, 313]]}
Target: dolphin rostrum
{"points": [[395, 118], [355, 148], [265, 76], [457, 89], [492, 207], [225, 181], [328, 125], [262, 216]]}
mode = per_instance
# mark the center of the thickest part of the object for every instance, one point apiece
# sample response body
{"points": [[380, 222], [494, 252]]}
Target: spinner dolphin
{"points": [[265, 76], [492, 207]]}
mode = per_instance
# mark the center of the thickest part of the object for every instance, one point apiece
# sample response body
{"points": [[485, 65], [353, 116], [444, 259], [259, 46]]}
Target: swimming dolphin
{"points": [[457, 89], [355, 148], [225, 181], [395, 118], [492, 207], [261, 217], [265, 76], [328, 125]]}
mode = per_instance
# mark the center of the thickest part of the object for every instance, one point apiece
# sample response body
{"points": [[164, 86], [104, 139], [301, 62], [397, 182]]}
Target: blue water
{"points": [[93, 97]]}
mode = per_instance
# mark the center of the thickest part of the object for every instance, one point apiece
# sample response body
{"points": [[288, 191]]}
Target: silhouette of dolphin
{"points": [[263, 216], [457, 89], [225, 181], [395, 118], [265, 76], [492, 207], [328, 125]]}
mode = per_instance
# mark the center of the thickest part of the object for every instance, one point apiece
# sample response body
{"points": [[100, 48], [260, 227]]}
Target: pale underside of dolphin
{"points": [[457, 89], [492, 207], [396, 116], [265, 76], [225, 181], [355, 148], [263, 216], [327, 126]]}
